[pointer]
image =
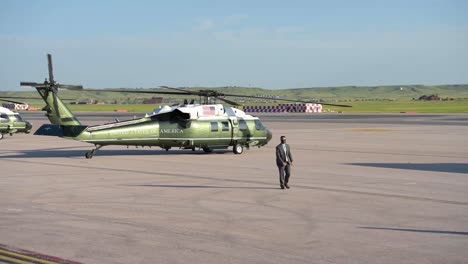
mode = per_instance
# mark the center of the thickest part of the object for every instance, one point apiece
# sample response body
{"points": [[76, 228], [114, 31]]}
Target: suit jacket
{"points": [[281, 156]]}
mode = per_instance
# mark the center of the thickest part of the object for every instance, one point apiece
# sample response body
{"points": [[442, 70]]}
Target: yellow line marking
{"points": [[14, 260], [25, 256]]}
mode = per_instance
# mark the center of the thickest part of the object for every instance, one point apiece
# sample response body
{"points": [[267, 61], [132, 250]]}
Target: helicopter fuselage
{"points": [[184, 127], [11, 122], [201, 133], [207, 127]]}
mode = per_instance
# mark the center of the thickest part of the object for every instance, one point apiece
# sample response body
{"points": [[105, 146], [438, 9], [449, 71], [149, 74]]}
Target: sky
{"points": [[269, 44]]}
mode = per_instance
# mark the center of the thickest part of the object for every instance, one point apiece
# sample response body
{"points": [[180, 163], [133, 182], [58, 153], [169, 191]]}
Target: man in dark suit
{"points": [[284, 162]]}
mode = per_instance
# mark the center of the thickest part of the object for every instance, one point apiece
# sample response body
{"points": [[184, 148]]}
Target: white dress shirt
{"points": [[285, 152]]}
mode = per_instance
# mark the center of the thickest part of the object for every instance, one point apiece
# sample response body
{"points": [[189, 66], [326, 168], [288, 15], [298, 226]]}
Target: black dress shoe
{"points": [[286, 185], [282, 187]]}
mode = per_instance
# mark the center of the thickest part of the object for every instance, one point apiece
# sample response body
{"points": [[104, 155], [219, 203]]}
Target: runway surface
{"points": [[364, 189]]}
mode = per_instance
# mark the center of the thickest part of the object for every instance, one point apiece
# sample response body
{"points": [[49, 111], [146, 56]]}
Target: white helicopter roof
{"points": [[202, 111], [6, 111]]}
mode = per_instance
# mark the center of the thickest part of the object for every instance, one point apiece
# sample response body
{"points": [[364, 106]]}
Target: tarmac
{"points": [[364, 189]]}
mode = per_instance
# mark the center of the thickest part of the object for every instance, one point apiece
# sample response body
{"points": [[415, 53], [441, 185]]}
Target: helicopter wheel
{"points": [[207, 150], [238, 149], [1, 136], [89, 154]]}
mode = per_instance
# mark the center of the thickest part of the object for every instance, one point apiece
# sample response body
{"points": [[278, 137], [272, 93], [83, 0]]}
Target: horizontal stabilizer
{"points": [[50, 130], [59, 131]]}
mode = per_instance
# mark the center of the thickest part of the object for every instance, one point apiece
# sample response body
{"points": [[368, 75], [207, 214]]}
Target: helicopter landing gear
{"points": [[90, 154], [167, 148], [238, 149], [1, 136], [207, 149]]}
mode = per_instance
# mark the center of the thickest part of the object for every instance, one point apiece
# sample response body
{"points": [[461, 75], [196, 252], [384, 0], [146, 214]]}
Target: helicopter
{"points": [[12, 122], [204, 126]]}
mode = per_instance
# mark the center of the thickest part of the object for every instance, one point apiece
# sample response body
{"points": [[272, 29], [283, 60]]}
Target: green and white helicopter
{"points": [[188, 126], [12, 122]]}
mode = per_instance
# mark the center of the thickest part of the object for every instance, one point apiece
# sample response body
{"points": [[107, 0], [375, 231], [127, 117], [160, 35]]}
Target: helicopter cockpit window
{"points": [[214, 126], [243, 125], [17, 118], [259, 125], [3, 118], [225, 126]]}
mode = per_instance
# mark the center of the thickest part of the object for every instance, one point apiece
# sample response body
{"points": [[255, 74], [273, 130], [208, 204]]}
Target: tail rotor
{"points": [[57, 111], [51, 84]]}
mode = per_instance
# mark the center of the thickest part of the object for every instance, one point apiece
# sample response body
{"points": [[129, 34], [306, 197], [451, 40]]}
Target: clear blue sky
{"points": [[270, 44]]}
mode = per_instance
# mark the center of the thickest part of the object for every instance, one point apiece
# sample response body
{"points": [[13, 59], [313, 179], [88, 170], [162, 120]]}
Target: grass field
{"points": [[456, 106]]}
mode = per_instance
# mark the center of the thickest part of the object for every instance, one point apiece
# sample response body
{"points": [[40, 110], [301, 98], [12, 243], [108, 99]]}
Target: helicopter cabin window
{"points": [[225, 126], [259, 125], [214, 126], [243, 125], [3, 118]]}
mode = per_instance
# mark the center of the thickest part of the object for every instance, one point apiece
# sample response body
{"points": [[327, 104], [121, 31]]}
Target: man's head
{"points": [[283, 139]]}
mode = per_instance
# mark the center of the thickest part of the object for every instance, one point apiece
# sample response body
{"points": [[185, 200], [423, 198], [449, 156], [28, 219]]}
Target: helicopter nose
{"points": [[269, 135], [28, 125]]}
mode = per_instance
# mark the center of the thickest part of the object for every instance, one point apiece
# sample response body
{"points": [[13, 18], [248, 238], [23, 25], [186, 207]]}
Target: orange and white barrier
{"points": [[16, 107]]}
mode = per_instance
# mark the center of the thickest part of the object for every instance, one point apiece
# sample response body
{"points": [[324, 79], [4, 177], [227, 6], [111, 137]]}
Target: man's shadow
{"points": [[202, 186]]}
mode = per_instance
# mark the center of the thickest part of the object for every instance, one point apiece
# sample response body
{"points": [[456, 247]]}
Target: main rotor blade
{"points": [[29, 98], [33, 84], [132, 91], [286, 100], [313, 102], [228, 101], [18, 97], [197, 93], [177, 89], [51, 70], [11, 101], [70, 87], [216, 94]]}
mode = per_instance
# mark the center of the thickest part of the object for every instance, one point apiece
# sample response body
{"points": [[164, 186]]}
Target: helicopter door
{"points": [[220, 133], [244, 133], [214, 134], [4, 120], [235, 128], [225, 133], [17, 121]]}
